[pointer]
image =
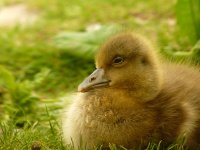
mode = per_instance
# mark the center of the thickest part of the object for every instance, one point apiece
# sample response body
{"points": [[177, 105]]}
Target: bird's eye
{"points": [[118, 60]]}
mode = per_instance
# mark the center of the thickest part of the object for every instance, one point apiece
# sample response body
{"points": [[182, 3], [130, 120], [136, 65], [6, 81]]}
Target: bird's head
{"points": [[126, 62]]}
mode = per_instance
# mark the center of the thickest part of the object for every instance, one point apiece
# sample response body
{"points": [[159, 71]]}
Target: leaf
{"points": [[192, 56], [195, 6], [196, 53], [188, 19], [196, 49], [84, 43], [7, 79]]}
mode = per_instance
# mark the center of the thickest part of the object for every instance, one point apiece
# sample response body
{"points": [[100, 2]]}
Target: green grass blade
{"points": [[188, 19]]}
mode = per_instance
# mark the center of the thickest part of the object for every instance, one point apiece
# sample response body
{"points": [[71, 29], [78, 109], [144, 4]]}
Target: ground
{"points": [[46, 72]]}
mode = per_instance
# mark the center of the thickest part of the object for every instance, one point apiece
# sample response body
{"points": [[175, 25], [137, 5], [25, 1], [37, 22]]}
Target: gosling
{"points": [[132, 99]]}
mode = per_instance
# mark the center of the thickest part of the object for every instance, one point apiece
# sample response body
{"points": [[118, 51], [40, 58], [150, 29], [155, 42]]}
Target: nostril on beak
{"points": [[92, 79]]}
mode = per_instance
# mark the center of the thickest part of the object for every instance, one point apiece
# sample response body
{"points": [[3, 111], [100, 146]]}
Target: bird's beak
{"points": [[95, 80]]}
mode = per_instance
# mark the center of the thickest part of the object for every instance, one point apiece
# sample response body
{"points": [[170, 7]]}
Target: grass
{"points": [[46, 72]]}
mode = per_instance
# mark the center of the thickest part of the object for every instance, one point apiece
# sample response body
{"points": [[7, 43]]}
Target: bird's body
{"points": [[147, 102]]}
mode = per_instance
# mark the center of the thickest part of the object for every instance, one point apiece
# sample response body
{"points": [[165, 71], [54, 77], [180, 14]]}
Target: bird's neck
{"points": [[110, 97]]}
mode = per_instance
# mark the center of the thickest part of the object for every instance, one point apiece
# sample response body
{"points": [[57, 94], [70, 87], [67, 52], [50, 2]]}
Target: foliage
{"points": [[188, 34], [22, 102], [22, 105], [43, 62], [192, 57], [34, 136], [84, 43], [188, 19]]}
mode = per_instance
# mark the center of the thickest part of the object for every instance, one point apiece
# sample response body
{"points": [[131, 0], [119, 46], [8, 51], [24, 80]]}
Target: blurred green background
{"points": [[47, 47]]}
